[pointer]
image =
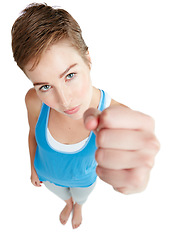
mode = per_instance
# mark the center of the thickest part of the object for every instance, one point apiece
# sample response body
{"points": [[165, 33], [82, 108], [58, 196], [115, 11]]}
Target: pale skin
{"points": [[126, 142]]}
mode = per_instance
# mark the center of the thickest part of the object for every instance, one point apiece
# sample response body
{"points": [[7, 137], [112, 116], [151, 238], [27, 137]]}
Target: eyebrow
{"points": [[61, 75], [40, 83], [67, 70]]}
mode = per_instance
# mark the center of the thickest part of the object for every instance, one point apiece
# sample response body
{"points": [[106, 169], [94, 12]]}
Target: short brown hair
{"points": [[40, 26]]}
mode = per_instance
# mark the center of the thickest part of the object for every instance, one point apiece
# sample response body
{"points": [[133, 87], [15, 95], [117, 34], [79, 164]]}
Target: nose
{"points": [[63, 97]]}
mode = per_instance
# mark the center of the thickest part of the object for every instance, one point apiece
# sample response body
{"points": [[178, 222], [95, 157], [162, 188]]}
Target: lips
{"points": [[72, 111]]}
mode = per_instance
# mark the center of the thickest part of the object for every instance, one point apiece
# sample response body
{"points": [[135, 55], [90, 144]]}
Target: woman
{"points": [[48, 46]]}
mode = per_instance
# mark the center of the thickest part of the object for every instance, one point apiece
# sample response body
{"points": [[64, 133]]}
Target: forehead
{"points": [[58, 57], [62, 49]]}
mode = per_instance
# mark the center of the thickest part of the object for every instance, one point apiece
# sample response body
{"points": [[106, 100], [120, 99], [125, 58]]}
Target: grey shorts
{"points": [[79, 195]]}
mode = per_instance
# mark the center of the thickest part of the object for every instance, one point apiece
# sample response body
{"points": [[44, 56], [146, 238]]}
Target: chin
{"points": [[79, 115], [75, 117]]}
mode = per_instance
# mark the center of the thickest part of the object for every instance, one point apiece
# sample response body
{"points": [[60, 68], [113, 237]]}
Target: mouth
{"points": [[72, 111]]}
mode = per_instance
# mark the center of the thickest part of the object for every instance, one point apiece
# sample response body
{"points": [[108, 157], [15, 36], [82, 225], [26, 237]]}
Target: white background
{"points": [[135, 51]]}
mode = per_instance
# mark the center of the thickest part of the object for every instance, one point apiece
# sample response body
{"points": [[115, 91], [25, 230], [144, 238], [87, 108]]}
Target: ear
{"points": [[88, 59]]}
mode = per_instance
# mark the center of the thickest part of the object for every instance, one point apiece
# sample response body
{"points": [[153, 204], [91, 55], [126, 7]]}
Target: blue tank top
{"points": [[74, 169]]}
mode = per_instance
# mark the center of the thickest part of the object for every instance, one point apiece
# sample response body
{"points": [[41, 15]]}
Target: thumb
{"points": [[91, 119]]}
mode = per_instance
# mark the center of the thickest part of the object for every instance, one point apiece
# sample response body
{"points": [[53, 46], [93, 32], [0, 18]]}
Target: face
{"points": [[62, 80]]}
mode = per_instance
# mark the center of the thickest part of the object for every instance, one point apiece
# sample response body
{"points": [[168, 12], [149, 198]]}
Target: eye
{"points": [[45, 88], [70, 76]]}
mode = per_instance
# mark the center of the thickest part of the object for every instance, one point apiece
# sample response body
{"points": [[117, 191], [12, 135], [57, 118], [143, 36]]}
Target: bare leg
{"points": [[64, 216], [77, 216]]}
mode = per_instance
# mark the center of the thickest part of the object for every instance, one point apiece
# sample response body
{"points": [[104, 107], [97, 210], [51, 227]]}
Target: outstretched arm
{"points": [[127, 146]]}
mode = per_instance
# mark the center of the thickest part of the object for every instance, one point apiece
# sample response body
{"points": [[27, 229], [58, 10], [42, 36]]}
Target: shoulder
{"points": [[31, 96], [33, 105], [32, 100]]}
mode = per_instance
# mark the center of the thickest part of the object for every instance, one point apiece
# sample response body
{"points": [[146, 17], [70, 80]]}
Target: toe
{"points": [[62, 221]]}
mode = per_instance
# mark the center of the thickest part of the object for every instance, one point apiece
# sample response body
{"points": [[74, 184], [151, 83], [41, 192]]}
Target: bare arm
{"points": [[113, 103], [33, 105]]}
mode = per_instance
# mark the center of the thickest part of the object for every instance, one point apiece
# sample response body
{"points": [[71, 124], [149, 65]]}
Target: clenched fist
{"points": [[126, 144]]}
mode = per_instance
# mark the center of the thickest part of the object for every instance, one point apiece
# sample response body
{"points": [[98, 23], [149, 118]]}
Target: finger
{"points": [[127, 190], [91, 118], [133, 180], [120, 159], [125, 118], [124, 139], [37, 184], [116, 178]]}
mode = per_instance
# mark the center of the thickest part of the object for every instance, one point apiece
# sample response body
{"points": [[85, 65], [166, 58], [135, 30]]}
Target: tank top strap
{"points": [[103, 101]]}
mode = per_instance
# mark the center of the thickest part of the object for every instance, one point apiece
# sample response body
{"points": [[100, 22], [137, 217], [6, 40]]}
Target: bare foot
{"points": [[64, 216], [77, 216]]}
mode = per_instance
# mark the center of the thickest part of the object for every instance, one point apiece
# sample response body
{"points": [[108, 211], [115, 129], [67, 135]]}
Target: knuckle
{"points": [[152, 143], [156, 145], [146, 160], [149, 162], [123, 190], [149, 121], [136, 180]]}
